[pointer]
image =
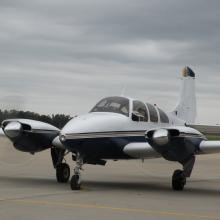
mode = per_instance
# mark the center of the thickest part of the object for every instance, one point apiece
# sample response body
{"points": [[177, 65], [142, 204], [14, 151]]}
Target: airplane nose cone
{"points": [[13, 129], [92, 124]]}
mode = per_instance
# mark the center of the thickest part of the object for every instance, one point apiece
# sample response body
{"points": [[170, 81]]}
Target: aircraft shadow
{"points": [[151, 186], [27, 181], [91, 185]]}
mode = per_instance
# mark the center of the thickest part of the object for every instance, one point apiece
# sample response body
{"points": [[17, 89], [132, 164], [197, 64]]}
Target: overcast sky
{"points": [[62, 56]]}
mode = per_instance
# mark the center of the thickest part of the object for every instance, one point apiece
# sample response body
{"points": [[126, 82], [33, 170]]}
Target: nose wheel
{"points": [[75, 183], [62, 173]]}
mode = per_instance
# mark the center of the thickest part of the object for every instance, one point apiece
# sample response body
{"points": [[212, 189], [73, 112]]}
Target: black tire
{"points": [[63, 173], [178, 180], [75, 182]]}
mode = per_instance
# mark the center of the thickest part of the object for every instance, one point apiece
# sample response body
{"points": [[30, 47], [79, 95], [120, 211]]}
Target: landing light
{"points": [[62, 138]]}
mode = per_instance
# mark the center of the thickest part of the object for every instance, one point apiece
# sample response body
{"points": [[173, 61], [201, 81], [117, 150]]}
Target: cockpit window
{"points": [[113, 104], [140, 109], [163, 117], [153, 113]]}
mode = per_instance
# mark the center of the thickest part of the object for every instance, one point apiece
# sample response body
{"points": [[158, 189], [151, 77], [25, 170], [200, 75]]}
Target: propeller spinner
{"points": [[13, 129]]}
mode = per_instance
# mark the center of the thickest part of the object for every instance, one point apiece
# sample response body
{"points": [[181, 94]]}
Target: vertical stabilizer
{"points": [[186, 108]]}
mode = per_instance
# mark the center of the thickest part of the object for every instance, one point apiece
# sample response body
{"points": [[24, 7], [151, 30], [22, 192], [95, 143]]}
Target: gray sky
{"points": [[62, 56]]}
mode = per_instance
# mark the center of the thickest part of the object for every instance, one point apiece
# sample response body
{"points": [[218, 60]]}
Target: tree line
{"points": [[58, 120]]}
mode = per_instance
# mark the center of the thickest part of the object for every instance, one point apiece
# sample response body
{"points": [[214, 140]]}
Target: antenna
{"points": [[123, 90]]}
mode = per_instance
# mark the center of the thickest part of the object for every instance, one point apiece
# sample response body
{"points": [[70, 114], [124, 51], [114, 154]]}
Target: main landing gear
{"points": [[179, 176], [178, 180], [62, 173], [62, 169], [75, 182]]}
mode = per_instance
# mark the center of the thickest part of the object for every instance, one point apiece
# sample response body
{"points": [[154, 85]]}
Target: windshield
{"points": [[113, 104]]}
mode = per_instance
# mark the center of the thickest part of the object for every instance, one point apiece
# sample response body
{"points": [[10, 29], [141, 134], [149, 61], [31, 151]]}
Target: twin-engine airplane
{"points": [[121, 128]]}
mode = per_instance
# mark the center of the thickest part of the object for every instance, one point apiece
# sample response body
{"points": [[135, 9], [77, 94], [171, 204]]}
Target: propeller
{"points": [[9, 156]]}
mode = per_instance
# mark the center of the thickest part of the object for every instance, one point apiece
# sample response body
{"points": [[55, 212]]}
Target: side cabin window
{"points": [[153, 113], [139, 111], [163, 117]]}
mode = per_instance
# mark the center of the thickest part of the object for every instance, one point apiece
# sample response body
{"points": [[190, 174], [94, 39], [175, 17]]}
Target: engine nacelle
{"points": [[162, 136], [13, 129], [175, 143], [29, 135]]}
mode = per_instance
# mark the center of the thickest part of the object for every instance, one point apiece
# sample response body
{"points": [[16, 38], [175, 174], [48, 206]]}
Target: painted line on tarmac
{"points": [[33, 196], [115, 209]]}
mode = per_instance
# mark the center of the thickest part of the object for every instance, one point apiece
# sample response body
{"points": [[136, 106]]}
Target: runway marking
{"points": [[118, 209]]}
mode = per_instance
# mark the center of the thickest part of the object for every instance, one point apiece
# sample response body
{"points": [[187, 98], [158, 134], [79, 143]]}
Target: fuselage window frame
{"points": [[140, 109], [163, 116], [154, 116]]}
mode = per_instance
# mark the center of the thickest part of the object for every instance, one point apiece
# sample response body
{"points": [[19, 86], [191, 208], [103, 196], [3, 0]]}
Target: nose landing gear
{"points": [[75, 183]]}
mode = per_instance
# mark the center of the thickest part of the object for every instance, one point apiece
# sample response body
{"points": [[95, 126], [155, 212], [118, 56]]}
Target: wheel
{"points": [[75, 182], [62, 173], [178, 180]]}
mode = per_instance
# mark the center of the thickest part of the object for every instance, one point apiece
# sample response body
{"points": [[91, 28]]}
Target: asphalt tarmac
{"points": [[120, 190]]}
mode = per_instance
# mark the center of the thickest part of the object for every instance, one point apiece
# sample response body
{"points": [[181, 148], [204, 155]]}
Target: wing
{"points": [[176, 143], [212, 132]]}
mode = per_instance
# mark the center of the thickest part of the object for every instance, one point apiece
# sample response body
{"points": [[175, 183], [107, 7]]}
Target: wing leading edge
{"points": [[212, 132]]}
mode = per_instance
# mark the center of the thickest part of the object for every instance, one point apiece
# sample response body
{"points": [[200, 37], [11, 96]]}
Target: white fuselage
{"points": [[93, 123], [113, 135]]}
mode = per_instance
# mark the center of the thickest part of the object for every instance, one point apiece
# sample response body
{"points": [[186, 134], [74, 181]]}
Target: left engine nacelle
{"points": [[29, 135], [175, 143], [162, 136]]}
